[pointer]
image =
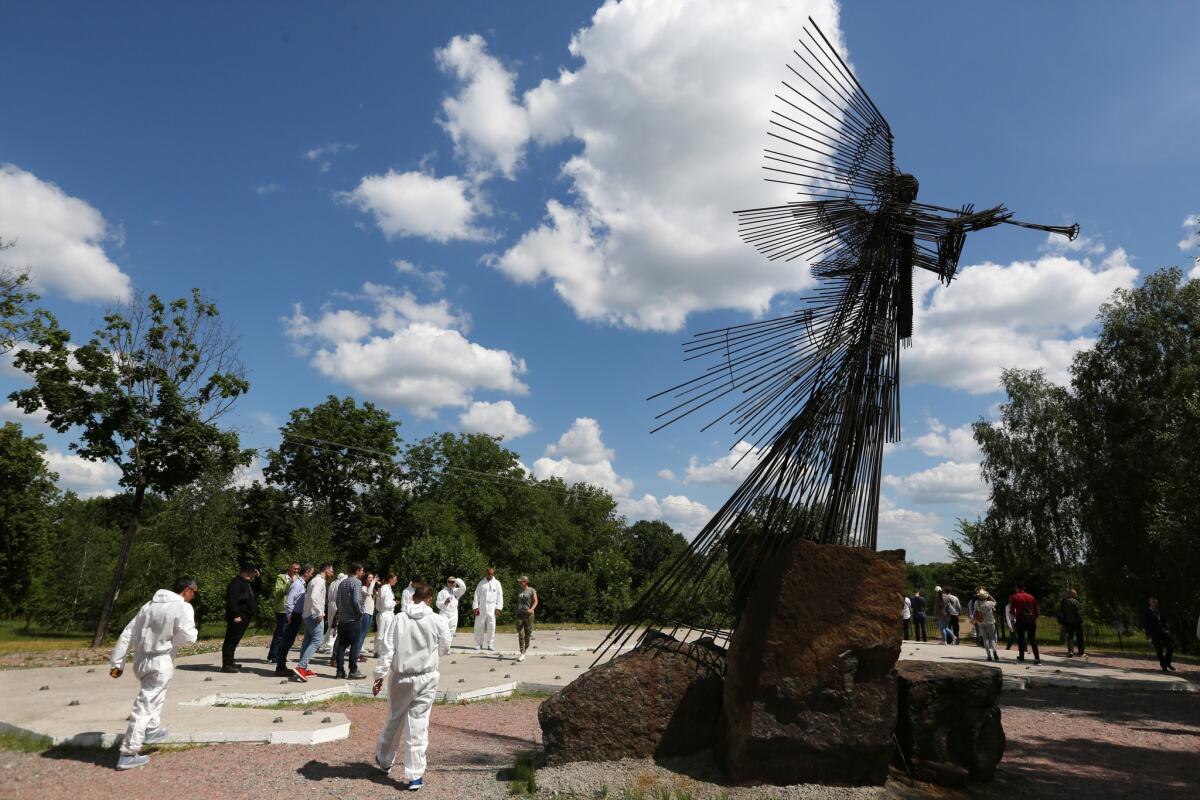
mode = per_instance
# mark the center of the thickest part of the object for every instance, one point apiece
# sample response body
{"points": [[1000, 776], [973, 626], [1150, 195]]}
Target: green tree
{"points": [[18, 319], [146, 393], [27, 491], [648, 545]]}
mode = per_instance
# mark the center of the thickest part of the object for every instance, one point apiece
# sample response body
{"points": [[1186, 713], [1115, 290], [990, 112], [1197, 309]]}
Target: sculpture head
{"points": [[905, 187]]}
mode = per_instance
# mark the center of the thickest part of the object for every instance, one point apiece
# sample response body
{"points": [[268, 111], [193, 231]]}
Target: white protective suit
{"points": [[447, 603], [163, 624], [406, 596], [385, 612], [489, 598], [331, 593], [408, 664]]}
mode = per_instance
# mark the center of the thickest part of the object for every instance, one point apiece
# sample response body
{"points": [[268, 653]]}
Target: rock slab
{"points": [[662, 699], [949, 726], [810, 692]]}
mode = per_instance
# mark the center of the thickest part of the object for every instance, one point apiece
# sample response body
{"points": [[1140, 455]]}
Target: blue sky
{"points": [[450, 208]]}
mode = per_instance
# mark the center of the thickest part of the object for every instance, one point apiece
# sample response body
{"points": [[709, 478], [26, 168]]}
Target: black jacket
{"points": [[240, 600], [918, 605], [1155, 623]]}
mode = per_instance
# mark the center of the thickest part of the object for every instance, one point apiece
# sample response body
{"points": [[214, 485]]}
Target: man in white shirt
{"points": [[331, 593], [447, 602], [487, 605], [163, 624], [418, 636], [314, 620]]}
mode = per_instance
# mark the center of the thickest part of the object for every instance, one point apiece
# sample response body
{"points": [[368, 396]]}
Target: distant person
{"points": [[527, 603], [1154, 621], [315, 603], [406, 596], [331, 615], [906, 615], [487, 605], [416, 640], [918, 610], [953, 607], [1012, 625], [939, 612], [447, 601], [283, 582], [370, 590], [971, 613], [1072, 622], [1025, 614], [385, 609], [241, 604], [166, 622], [294, 608], [984, 622], [350, 606]]}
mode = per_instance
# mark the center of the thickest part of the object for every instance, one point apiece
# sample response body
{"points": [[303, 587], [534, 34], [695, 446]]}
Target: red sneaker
{"points": [[308, 673], [302, 674]]}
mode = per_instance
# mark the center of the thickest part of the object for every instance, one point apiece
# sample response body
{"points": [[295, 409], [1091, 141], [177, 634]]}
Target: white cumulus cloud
{"points": [[60, 239], [85, 478], [915, 532], [580, 456], [1191, 224], [729, 470], [956, 444], [685, 515], [498, 419], [950, 483], [416, 204]]}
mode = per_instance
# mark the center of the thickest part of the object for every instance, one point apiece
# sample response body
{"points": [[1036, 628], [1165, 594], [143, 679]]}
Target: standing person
{"points": [[487, 604], [350, 603], [447, 602], [370, 590], [241, 604], [294, 608], [1025, 614], [527, 603], [283, 582], [331, 592], [953, 608], [985, 622], [906, 615], [416, 640], [918, 609], [971, 613], [1159, 632], [406, 596], [385, 610], [315, 602], [939, 612], [1012, 625], [161, 625], [1072, 614]]}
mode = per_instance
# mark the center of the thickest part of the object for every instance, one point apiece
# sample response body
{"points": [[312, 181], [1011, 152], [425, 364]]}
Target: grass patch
{"points": [[14, 638], [312, 705], [523, 775], [20, 742]]}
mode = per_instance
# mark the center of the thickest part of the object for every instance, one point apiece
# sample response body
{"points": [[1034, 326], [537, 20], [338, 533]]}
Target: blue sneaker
{"points": [[414, 785]]}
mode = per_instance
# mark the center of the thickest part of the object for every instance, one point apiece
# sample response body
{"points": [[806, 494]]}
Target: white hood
{"points": [[163, 624], [417, 638]]}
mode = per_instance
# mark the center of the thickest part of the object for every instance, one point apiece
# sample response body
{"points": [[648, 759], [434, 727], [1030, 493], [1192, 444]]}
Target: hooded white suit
{"points": [[408, 664], [447, 603], [163, 624], [489, 598]]}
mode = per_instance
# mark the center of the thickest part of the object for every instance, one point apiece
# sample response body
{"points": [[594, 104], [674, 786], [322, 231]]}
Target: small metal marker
{"points": [[73, 703], [507, 675], [493, 669], [558, 677], [208, 679], [326, 719], [308, 713], [285, 680], [44, 689], [277, 720], [93, 669], [462, 680]]}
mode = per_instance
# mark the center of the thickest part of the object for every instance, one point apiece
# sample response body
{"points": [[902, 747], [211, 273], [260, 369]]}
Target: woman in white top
{"points": [[385, 611]]}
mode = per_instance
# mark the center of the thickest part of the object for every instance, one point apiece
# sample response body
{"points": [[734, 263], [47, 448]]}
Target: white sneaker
{"points": [[491, 648], [156, 735], [384, 768], [129, 762], [521, 657]]}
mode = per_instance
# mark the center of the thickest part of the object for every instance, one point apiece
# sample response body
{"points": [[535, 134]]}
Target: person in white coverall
{"points": [[447, 601], [487, 605], [331, 614], [409, 663], [406, 596], [163, 624], [385, 610]]}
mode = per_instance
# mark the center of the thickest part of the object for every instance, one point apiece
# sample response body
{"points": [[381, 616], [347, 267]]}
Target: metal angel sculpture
{"points": [[817, 391]]}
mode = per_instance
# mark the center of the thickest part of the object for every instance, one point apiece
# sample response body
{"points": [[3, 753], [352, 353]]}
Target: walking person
{"points": [[331, 616], [527, 603], [350, 606], [918, 610], [984, 622], [447, 602], [315, 602], [953, 608], [906, 615], [406, 596], [1072, 614], [1025, 614], [385, 610], [939, 613], [1012, 625], [166, 622], [1154, 621], [370, 590], [294, 608], [487, 605], [283, 582], [241, 604], [415, 641]]}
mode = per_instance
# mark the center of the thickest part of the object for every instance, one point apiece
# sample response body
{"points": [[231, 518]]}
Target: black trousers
{"points": [[347, 637], [280, 627], [1164, 650], [1027, 637], [907, 628], [1074, 636], [919, 627], [288, 639], [234, 631]]}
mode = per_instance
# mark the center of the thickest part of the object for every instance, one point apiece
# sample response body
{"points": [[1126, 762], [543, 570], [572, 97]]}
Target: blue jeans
{"points": [[365, 623], [280, 627], [314, 632]]}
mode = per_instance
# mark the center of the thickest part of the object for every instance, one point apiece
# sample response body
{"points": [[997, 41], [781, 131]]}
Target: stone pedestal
{"points": [[810, 693], [663, 699], [949, 721]]}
